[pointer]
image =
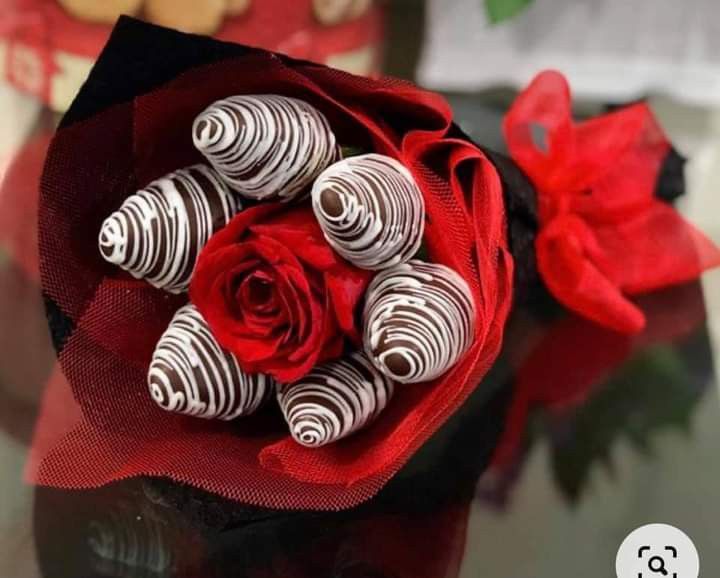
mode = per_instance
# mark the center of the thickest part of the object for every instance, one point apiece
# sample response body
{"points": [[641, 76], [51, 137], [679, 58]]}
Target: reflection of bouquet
{"points": [[586, 388], [280, 291]]}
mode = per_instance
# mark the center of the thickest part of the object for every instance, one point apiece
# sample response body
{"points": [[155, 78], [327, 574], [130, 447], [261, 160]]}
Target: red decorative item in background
{"points": [[604, 237], [26, 353], [275, 293], [50, 51]]}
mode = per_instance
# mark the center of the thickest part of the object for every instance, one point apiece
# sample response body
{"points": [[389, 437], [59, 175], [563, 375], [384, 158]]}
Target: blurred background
{"points": [[641, 447]]}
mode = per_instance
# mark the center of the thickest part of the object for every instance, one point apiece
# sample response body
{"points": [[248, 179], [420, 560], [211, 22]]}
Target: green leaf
{"points": [[501, 10], [351, 151]]}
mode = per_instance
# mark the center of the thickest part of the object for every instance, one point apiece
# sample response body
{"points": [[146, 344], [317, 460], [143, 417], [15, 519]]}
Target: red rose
{"points": [[275, 293]]}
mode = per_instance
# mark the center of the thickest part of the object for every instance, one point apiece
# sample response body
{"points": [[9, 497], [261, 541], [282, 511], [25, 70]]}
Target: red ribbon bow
{"points": [[604, 236]]}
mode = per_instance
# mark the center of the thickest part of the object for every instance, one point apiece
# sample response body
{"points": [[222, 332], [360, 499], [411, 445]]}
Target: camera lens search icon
{"points": [[657, 550], [657, 564]]}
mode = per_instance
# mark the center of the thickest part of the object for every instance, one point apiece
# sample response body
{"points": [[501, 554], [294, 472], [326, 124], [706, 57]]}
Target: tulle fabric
{"points": [[604, 236]]}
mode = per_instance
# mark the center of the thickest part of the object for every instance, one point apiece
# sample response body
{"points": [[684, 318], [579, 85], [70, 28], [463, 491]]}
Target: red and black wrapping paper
{"points": [[130, 124]]}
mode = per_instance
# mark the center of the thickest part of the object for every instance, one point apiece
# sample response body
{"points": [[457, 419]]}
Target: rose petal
{"points": [[301, 233], [346, 287], [314, 293], [234, 232], [257, 294]]}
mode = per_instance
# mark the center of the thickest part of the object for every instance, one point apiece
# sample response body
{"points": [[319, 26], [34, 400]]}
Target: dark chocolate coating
{"points": [[190, 373], [418, 321], [158, 233], [371, 210], [334, 400], [265, 146]]}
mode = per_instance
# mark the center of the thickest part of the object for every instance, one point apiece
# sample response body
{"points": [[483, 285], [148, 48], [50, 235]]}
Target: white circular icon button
{"points": [[657, 551]]}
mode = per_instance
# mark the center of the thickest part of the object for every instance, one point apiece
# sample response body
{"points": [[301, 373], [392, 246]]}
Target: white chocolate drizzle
{"points": [[266, 147], [418, 321], [334, 400], [370, 210], [191, 374], [158, 233]]}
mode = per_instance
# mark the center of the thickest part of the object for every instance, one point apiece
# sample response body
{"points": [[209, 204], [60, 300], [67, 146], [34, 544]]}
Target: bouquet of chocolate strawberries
{"points": [[319, 265], [274, 287]]}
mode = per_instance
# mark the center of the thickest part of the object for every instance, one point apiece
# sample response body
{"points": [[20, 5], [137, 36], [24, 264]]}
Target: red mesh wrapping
{"points": [[119, 432]]}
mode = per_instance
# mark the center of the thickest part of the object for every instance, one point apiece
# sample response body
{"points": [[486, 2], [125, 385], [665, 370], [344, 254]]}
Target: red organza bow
{"points": [[603, 235]]}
